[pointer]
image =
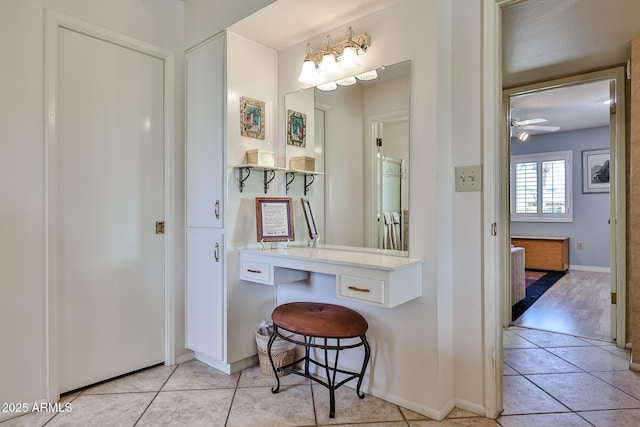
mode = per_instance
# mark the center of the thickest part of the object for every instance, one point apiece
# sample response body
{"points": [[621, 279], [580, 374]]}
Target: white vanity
{"points": [[367, 276]]}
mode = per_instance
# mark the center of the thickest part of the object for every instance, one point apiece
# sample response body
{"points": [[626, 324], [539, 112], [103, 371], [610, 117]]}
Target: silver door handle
{"points": [[216, 252], [216, 209]]}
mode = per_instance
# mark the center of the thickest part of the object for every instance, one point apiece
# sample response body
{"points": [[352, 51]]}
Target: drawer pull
{"points": [[254, 271], [356, 289]]}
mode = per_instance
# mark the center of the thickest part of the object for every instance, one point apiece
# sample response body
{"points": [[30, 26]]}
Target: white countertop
{"points": [[347, 257]]}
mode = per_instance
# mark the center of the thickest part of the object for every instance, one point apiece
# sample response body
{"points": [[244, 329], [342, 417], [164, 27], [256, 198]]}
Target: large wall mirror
{"points": [[358, 135]]}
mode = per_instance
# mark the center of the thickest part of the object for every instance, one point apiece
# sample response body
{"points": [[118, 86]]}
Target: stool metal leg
{"points": [[367, 354], [272, 338]]}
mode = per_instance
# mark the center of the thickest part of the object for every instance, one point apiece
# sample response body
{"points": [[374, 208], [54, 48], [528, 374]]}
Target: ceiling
{"points": [[547, 39], [284, 23]]}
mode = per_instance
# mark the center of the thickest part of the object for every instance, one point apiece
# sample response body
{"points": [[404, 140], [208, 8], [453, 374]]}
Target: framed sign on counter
{"points": [[274, 219]]}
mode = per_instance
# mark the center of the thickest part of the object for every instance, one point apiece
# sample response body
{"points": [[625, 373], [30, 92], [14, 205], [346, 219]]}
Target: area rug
{"points": [[537, 283]]}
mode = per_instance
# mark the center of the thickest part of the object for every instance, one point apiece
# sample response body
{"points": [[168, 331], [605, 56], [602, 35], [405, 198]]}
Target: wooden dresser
{"points": [[544, 253]]}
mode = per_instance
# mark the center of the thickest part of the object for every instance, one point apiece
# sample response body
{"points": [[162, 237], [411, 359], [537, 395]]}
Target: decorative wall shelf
{"points": [[269, 173], [309, 177]]}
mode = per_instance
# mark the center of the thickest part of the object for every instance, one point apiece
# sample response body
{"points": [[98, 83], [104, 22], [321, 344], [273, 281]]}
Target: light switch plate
{"points": [[468, 178]]}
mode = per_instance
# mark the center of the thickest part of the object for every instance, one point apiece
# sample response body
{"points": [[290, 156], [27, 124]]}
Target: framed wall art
{"points": [[595, 171], [274, 219], [296, 128], [251, 117]]}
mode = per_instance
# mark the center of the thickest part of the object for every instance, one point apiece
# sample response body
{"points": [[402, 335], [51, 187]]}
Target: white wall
{"points": [[22, 177], [412, 343]]}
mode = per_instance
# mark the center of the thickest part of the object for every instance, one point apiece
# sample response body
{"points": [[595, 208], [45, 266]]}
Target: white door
{"points": [[110, 191]]}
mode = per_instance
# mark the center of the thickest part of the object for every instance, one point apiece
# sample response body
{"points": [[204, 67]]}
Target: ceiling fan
{"points": [[519, 128]]}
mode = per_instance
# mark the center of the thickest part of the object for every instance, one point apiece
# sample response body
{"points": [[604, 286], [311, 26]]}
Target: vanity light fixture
{"points": [[334, 58]]}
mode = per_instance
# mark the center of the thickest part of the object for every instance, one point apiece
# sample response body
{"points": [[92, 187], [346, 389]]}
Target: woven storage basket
{"points": [[282, 351], [279, 359]]}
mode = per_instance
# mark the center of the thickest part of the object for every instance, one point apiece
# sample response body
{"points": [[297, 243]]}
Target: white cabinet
{"points": [[205, 255], [205, 293], [205, 97]]}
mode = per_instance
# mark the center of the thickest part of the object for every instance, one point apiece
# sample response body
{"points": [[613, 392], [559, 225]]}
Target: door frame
{"points": [[52, 23], [617, 194], [496, 239]]}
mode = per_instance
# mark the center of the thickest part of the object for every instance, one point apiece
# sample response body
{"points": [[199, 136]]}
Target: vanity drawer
{"points": [[256, 271], [361, 288]]}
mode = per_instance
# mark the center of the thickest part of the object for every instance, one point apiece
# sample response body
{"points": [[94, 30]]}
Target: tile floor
{"points": [[549, 380]]}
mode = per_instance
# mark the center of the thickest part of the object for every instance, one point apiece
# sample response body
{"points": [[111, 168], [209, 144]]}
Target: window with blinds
{"points": [[541, 188]]}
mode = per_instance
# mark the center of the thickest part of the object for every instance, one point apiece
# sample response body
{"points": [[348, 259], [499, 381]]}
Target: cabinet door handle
{"points": [[216, 209], [216, 252], [356, 289], [254, 271]]}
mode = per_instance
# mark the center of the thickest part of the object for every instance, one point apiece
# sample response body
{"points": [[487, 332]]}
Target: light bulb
{"points": [[349, 58], [309, 74], [347, 81], [369, 75], [327, 86], [328, 64]]}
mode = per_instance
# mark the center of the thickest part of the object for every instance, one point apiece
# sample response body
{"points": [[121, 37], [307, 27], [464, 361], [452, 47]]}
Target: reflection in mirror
{"points": [[359, 137]]}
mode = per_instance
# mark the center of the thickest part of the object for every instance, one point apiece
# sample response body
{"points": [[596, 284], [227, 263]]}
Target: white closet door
{"points": [[109, 261]]}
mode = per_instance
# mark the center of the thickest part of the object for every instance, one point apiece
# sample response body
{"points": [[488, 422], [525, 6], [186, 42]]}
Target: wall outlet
{"points": [[468, 178], [580, 245]]}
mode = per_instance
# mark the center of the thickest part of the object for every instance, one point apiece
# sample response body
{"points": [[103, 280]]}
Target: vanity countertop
{"points": [[346, 257]]}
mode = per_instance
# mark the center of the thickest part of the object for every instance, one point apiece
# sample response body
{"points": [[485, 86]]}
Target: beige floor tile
{"points": [[351, 409], [622, 352], [513, 340], [188, 408], [523, 397], [508, 370], [457, 422], [30, 419], [591, 359], [411, 415], [151, 379], [620, 418], [104, 410], [252, 377], [627, 381], [259, 407], [568, 419], [195, 375], [461, 413], [550, 339], [390, 424], [536, 361], [583, 392]]}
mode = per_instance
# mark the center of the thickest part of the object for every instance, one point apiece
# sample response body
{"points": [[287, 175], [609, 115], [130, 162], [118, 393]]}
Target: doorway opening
{"points": [[566, 205]]}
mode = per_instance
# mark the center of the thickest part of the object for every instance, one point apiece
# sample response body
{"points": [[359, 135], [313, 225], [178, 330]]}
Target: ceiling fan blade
{"points": [[541, 128], [529, 122]]}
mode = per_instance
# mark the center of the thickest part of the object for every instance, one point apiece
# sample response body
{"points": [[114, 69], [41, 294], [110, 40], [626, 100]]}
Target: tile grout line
{"points": [[156, 395]]}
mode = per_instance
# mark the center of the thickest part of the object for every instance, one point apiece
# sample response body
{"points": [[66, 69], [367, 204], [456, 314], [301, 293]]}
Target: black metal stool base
{"points": [[330, 371]]}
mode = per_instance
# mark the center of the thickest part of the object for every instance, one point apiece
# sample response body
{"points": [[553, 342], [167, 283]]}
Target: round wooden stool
{"points": [[312, 321]]}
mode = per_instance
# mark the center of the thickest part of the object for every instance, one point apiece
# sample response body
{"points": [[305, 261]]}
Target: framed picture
{"points": [[274, 219], [251, 117], [595, 171], [311, 224], [296, 128]]}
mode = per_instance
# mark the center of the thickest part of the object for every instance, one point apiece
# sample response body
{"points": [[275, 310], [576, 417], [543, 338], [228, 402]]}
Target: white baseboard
{"points": [[590, 268], [226, 367]]}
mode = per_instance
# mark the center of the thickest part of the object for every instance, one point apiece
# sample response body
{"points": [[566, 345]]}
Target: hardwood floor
{"points": [[578, 304]]}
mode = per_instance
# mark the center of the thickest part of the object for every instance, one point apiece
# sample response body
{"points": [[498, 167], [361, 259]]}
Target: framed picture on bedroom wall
{"points": [[595, 171]]}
